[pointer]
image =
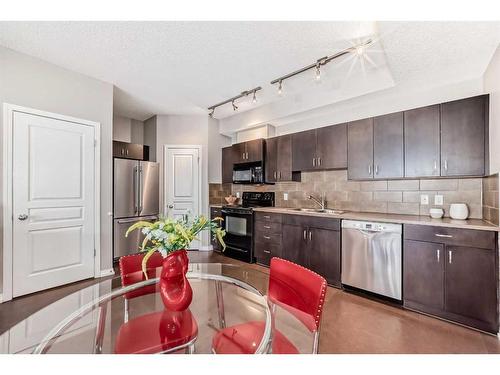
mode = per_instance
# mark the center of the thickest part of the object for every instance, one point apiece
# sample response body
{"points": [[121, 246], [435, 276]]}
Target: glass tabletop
{"points": [[99, 319]]}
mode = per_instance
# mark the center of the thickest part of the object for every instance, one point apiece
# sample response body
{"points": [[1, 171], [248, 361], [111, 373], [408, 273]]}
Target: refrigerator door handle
{"points": [[141, 187], [136, 191]]}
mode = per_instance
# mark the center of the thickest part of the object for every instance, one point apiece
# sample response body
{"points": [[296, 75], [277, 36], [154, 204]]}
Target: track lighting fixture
{"points": [[358, 49], [234, 98]]}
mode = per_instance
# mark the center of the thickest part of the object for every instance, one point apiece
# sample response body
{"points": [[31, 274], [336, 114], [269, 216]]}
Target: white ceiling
{"points": [[184, 67]]}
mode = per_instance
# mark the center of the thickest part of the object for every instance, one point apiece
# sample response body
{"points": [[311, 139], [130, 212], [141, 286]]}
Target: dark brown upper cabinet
{"points": [[227, 164], [421, 133], [279, 158], [360, 149], [304, 151], [388, 146], [463, 129], [322, 148], [331, 147], [248, 152]]}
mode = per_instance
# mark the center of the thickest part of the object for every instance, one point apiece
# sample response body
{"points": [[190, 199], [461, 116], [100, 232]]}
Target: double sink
{"points": [[319, 210]]}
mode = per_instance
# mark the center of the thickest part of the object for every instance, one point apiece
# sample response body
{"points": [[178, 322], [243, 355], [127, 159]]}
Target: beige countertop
{"points": [[392, 218]]}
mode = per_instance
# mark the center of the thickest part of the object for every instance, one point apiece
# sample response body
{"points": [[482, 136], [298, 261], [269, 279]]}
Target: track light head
{"points": [[280, 87], [211, 113], [254, 98], [235, 107], [318, 72], [360, 50]]}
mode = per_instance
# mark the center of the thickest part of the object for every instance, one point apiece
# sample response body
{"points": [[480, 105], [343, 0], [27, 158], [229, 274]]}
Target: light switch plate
{"points": [[424, 199], [438, 200], [285, 196], [237, 194]]}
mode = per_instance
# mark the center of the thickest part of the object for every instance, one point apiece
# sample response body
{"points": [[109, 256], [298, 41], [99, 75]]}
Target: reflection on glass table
{"points": [[99, 319]]}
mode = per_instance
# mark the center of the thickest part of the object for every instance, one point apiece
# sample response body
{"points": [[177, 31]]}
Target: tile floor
{"points": [[351, 323]]}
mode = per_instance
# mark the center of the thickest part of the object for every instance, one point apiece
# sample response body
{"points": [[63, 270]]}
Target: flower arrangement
{"points": [[167, 235]]}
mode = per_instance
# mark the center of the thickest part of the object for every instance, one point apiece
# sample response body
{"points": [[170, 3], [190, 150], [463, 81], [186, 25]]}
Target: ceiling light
{"points": [[318, 72], [235, 107], [254, 99], [212, 110], [280, 88], [243, 94], [360, 50]]}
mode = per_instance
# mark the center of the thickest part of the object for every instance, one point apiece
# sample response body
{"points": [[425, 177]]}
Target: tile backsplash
{"points": [[490, 199], [384, 196], [217, 192]]}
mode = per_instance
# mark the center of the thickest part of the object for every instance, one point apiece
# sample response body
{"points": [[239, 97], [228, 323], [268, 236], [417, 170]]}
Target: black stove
{"points": [[238, 223]]}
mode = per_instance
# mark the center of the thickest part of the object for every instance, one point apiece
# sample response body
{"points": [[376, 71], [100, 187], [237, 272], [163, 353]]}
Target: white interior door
{"points": [[182, 182], [53, 202]]}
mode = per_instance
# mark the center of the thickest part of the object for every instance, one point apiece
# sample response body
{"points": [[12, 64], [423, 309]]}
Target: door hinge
{"points": [[95, 252], [95, 142]]}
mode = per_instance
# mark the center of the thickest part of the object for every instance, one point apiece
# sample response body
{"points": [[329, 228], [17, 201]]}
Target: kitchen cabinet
{"points": [[227, 164], [360, 149], [463, 128], [422, 142], [318, 149], [452, 273], [279, 159], [267, 242], [388, 146], [134, 151], [248, 152], [314, 243], [304, 151]]}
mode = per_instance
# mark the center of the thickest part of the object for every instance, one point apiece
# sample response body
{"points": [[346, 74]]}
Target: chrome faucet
{"points": [[320, 202]]}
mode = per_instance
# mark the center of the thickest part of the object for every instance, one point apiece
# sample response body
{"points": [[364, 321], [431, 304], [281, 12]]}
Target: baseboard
{"points": [[108, 272], [206, 248]]}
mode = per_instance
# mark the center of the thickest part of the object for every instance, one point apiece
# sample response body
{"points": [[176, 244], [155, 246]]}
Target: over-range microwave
{"points": [[248, 173]]}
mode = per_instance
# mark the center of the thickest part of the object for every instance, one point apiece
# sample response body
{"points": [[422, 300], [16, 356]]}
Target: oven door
{"points": [[238, 239]]}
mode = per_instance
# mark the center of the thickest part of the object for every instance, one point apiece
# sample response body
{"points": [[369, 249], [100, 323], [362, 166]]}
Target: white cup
{"points": [[459, 211]]}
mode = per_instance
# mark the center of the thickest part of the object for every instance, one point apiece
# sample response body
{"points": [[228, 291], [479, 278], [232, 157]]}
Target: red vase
{"points": [[175, 290]]}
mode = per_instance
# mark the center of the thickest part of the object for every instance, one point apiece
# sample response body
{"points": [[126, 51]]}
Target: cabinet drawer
{"points": [[264, 252], [451, 236], [267, 227], [267, 217], [312, 222], [268, 238]]}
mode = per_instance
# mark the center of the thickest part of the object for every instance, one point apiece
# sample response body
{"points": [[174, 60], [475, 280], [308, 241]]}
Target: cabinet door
{"points": [[227, 164], [271, 159], [422, 142], [463, 137], [388, 146], [324, 254], [331, 148], [304, 151], [284, 157], [360, 149], [238, 151], [254, 150], [423, 274], [294, 243], [471, 283]]}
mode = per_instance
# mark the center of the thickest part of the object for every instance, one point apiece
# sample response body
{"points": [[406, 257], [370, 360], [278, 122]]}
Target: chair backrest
{"points": [[131, 272], [298, 290]]}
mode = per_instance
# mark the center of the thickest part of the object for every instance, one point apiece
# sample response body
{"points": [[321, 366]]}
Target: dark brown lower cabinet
{"points": [[458, 283], [314, 248], [267, 238]]}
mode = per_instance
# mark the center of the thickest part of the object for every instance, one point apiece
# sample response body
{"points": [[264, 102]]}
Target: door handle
{"points": [[22, 217], [450, 255], [305, 234], [435, 165], [438, 254], [310, 236], [170, 206], [445, 164], [140, 189], [136, 191]]}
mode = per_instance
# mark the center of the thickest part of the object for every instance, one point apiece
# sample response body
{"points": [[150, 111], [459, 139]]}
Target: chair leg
{"points": [[190, 349], [316, 342], [220, 304], [125, 312]]}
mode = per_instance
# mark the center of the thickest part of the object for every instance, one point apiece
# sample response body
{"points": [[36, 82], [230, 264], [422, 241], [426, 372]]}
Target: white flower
{"points": [[145, 230]]}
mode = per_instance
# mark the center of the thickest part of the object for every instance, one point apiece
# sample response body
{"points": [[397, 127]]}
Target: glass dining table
{"points": [[92, 320]]}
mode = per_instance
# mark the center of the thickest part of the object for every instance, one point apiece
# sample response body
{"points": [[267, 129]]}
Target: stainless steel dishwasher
{"points": [[371, 257]]}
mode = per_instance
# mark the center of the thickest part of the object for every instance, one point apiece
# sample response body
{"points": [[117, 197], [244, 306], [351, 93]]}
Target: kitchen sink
{"points": [[319, 210]]}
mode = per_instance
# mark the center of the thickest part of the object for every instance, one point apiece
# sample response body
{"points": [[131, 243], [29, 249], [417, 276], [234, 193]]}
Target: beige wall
{"points": [[393, 196], [128, 130], [30, 82], [492, 86]]}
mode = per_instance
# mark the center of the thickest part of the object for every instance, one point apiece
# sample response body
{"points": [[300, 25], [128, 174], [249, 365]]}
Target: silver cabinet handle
{"points": [[438, 254], [267, 227], [376, 169], [267, 217], [247, 155], [267, 252], [305, 234], [280, 175], [319, 161], [314, 162], [122, 151], [445, 164], [267, 237], [435, 165], [274, 174], [310, 236], [369, 170], [450, 255], [443, 235], [126, 151], [22, 217]]}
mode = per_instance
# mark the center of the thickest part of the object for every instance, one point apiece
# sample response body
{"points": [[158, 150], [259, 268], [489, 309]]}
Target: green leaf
{"points": [[145, 262]]}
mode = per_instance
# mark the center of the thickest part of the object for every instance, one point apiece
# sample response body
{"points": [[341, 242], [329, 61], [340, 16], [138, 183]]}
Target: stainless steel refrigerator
{"points": [[136, 198]]}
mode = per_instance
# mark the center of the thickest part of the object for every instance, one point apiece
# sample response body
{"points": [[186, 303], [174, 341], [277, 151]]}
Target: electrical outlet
{"points": [[424, 199], [237, 194], [438, 200], [285, 196]]}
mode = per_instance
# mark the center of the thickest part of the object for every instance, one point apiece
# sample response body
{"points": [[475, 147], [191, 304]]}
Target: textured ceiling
{"points": [[184, 67]]}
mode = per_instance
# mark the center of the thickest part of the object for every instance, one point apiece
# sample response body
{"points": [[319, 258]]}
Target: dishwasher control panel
{"points": [[372, 226]]}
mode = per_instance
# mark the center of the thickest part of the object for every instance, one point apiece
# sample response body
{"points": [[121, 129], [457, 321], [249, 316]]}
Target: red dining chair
{"points": [[294, 288], [157, 332]]}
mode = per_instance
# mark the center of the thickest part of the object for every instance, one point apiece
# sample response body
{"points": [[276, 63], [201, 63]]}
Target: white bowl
{"points": [[436, 213]]}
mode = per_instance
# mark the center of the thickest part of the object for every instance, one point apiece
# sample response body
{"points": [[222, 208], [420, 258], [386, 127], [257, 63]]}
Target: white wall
{"points": [[128, 130], [30, 82], [216, 142], [398, 98], [492, 86]]}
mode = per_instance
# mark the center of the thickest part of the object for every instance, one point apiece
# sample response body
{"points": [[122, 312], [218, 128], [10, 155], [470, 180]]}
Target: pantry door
{"points": [[53, 202]]}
